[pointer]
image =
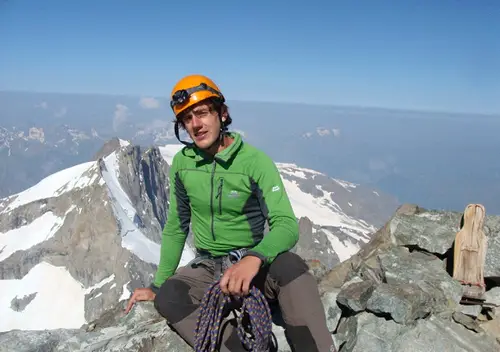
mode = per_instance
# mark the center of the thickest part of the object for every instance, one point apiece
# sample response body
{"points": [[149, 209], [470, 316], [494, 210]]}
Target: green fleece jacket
{"points": [[227, 199]]}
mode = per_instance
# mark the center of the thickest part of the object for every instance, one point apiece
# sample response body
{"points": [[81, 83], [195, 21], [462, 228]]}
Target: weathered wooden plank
{"points": [[470, 252]]}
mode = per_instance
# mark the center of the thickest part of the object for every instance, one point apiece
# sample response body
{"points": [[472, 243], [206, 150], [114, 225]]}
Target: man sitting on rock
{"points": [[227, 190]]}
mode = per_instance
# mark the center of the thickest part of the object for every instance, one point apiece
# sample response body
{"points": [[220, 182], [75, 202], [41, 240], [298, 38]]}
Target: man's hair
{"points": [[220, 108]]}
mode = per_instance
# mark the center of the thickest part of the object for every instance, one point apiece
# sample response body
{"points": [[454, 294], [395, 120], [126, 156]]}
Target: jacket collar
{"points": [[223, 156]]}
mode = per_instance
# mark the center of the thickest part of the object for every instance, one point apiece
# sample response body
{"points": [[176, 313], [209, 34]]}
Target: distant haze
{"points": [[437, 160]]}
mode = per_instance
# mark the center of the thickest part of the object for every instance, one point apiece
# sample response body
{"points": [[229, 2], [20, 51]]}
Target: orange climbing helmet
{"points": [[192, 89]]}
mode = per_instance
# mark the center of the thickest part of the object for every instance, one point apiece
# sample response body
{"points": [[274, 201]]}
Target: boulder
{"points": [[395, 294]]}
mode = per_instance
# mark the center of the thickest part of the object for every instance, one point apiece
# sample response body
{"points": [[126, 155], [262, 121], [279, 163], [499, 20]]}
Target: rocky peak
{"points": [[109, 147], [93, 230], [395, 294]]}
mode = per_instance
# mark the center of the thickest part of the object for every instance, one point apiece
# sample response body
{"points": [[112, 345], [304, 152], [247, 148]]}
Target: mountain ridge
{"points": [[96, 228]]}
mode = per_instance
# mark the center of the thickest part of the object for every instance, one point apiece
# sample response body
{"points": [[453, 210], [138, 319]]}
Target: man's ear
{"points": [[224, 114]]}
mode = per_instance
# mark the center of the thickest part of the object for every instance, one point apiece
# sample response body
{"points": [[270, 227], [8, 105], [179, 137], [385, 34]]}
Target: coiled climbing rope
{"points": [[210, 316]]}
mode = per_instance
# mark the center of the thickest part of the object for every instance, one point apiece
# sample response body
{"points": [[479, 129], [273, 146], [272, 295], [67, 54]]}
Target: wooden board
{"points": [[470, 252]]}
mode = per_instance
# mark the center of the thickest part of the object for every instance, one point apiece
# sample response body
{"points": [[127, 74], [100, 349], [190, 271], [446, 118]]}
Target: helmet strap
{"points": [[176, 130]]}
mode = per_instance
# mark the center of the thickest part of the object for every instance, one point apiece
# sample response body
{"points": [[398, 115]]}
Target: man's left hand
{"points": [[236, 280]]}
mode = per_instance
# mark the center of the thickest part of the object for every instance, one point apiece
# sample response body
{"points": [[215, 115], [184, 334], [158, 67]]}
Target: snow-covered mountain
{"points": [[84, 238], [34, 151]]}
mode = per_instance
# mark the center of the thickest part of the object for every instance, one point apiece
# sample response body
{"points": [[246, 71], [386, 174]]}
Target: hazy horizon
{"points": [[164, 98], [437, 160], [437, 56]]}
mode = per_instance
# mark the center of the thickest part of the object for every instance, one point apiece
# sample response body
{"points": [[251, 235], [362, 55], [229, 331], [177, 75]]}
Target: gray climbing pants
{"points": [[286, 281]]}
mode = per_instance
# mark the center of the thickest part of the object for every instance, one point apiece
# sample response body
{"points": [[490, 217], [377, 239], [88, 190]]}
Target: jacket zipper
{"points": [[212, 200], [219, 195]]}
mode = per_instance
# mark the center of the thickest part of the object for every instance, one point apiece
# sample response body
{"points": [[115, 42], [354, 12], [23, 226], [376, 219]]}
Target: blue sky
{"points": [[440, 55]]}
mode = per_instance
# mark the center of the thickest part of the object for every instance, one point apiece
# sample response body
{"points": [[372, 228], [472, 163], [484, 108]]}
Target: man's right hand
{"points": [[140, 294]]}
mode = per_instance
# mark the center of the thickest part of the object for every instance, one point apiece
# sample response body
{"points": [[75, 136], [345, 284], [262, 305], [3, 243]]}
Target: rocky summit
{"points": [[395, 294]]}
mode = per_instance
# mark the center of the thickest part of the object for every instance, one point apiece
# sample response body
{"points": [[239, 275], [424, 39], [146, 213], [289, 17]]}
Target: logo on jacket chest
{"points": [[233, 194]]}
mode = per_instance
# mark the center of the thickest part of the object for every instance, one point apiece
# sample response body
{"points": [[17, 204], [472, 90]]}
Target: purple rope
{"points": [[210, 316]]}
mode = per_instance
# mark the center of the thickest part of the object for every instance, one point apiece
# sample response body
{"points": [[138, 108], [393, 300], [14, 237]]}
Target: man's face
{"points": [[202, 123]]}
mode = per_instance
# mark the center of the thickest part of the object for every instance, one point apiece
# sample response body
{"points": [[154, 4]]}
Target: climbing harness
{"points": [[254, 306]]}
